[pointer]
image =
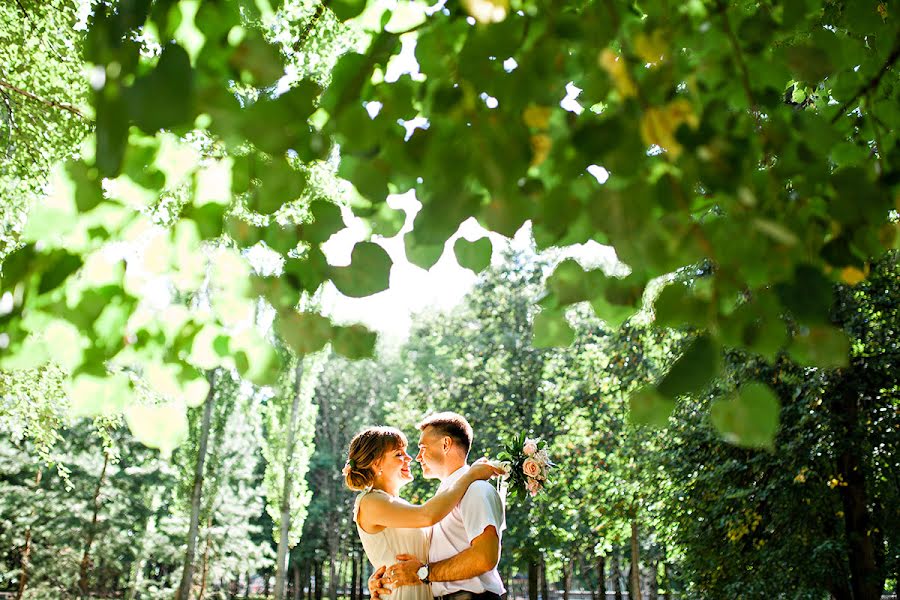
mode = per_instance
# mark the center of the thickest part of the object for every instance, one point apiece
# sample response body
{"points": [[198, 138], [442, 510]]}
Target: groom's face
{"points": [[431, 453]]}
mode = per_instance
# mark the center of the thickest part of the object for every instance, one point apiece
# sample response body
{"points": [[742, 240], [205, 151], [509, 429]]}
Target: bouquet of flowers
{"points": [[526, 464]]}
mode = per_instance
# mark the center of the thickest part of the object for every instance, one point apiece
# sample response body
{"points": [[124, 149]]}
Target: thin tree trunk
{"points": [[26, 551], [532, 580], [601, 577], [288, 487], [92, 530], [653, 581], [545, 585], [667, 582], [353, 576], [140, 562], [318, 578], [247, 588], [363, 578], [332, 574], [863, 556], [187, 574], [205, 571], [298, 585], [617, 576], [567, 578], [635, 564]]}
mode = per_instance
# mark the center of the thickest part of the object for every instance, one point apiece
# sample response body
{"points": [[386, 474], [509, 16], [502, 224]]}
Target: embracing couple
{"points": [[447, 548]]}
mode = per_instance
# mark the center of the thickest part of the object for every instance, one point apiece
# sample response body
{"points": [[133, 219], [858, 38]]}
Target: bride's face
{"points": [[395, 465]]}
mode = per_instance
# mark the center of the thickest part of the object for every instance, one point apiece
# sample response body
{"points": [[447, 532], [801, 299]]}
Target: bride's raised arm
{"points": [[382, 510]]}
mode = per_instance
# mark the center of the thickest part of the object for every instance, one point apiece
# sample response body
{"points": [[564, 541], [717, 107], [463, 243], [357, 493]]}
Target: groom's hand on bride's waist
{"points": [[405, 571]]}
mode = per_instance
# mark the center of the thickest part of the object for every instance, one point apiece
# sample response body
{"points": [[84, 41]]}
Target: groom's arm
{"points": [[480, 557]]}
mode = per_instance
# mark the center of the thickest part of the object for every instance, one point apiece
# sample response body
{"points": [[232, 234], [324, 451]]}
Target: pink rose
{"points": [[533, 486], [531, 467], [529, 448]]}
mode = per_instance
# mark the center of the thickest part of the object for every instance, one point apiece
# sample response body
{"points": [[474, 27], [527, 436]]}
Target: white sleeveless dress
{"points": [[383, 547]]}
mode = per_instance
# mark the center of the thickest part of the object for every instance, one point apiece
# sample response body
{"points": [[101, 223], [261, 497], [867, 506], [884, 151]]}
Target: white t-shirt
{"points": [[480, 507]]}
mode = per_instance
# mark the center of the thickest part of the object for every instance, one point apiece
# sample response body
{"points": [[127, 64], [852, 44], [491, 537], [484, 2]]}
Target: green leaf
{"points": [[16, 266], [164, 98], [304, 332], [60, 264], [93, 395], [693, 370], [750, 418], [255, 358], [822, 346], [368, 273], [327, 221], [354, 342], [809, 296], [346, 9], [551, 329], [475, 256], [648, 407], [161, 426], [676, 306], [570, 283], [423, 256]]}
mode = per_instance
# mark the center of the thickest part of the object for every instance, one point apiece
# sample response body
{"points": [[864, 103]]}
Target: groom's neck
{"points": [[452, 466]]}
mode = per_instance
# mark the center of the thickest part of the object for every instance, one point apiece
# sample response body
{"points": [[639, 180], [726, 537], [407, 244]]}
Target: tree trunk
{"points": [[617, 577], [332, 575], [532, 580], [653, 581], [601, 577], [635, 564], [354, 568], [247, 588], [545, 585], [862, 559], [92, 531], [136, 577], [205, 571], [318, 582], [363, 578], [567, 578], [187, 574], [26, 551], [667, 582], [287, 488], [298, 585]]}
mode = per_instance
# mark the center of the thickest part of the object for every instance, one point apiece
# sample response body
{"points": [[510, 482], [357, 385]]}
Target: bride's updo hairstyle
{"points": [[366, 449]]}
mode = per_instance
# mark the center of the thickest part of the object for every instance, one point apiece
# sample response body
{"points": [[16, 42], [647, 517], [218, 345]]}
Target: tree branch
{"points": [[872, 84], [50, 103]]}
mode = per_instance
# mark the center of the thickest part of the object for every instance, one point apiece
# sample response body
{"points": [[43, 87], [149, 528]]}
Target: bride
{"points": [[378, 466]]}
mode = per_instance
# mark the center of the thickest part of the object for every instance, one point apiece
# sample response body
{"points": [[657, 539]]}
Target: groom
{"points": [[465, 545]]}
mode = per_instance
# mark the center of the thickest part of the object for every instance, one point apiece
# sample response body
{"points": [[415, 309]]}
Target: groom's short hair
{"points": [[451, 424]]}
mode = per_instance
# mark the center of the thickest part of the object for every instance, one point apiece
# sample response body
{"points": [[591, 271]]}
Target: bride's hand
{"points": [[483, 469]]}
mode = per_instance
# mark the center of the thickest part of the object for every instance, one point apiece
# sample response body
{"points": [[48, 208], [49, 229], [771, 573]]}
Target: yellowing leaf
{"points": [[540, 148], [658, 125], [536, 117], [852, 275], [614, 65], [487, 11], [651, 48]]}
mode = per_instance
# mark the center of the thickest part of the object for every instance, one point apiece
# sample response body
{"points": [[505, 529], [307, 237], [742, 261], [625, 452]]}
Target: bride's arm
{"points": [[381, 510]]}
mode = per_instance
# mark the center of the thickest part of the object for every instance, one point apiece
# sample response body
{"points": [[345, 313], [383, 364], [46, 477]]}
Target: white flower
{"points": [[503, 465]]}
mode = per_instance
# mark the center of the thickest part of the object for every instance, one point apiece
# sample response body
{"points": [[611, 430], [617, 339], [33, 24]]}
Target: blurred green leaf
{"points": [[368, 273], [354, 342], [475, 256], [648, 407], [750, 418], [304, 332], [693, 370], [551, 329]]}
